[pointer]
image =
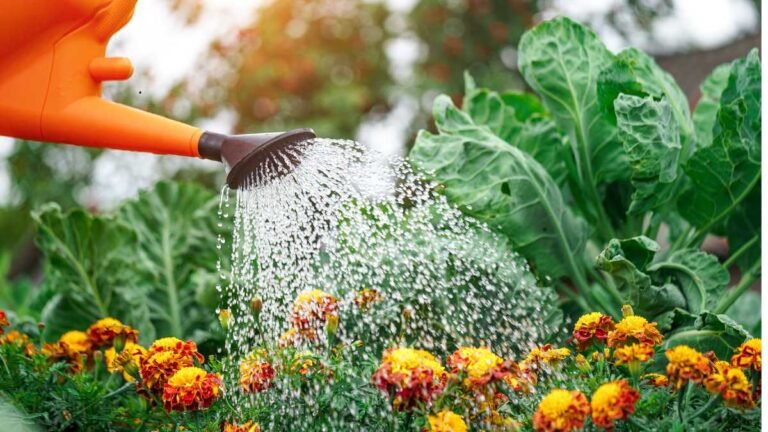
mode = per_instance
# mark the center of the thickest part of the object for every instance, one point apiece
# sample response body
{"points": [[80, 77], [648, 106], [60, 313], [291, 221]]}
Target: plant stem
{"points": [[704, 408], [746, 280], [682, 240], [702, 232], [652, 231], [741, 251]]}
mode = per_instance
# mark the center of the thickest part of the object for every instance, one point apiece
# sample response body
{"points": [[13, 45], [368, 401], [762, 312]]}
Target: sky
{"points": [[160, 44]]}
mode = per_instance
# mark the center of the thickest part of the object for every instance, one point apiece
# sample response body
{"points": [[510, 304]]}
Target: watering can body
{"points": [[52, 66]]}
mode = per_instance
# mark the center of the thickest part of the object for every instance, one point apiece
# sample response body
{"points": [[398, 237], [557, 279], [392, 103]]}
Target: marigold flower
{"points": [[480, 365], [446, 421], [164, 358], [545, 355], [3, 321], [409, 375], [523, 381], [14, 337], [590, 328], [687, 364], [311, 311], [634, 329], [633, 355], [732, 384], [582, 363], [73, 346], [749, 355], [613, 401], [290, 337], [126, 362], [256, 372], [561, 411], [191, 389], [656, 380], [109, 331], [366, 297], [247, 427]]}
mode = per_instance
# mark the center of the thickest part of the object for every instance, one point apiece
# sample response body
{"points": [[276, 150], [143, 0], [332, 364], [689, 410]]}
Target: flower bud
{"points": [[256, 305], [332, 324], [225, 316]]}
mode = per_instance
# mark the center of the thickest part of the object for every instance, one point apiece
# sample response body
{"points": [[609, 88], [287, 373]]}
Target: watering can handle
{"points": [[52, 65]]}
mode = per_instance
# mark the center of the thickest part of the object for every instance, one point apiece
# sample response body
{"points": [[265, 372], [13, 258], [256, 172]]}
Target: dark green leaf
{"points": [[707, 332], [747, 312], [701, 278], [705, 114]]}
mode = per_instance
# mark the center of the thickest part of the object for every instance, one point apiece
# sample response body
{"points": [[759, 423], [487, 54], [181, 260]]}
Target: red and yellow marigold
{"points": [[3, 321], [409, 376], [164, 358], [561, 411], [480, 366], [446, 421], [126, 362], [749, 355], [109, 331], [311, 311], [523, 381], [732, 384], [590, 328], [633, 356], [656, 380], [634, 329], [544, 355], [366, 297], [256, 372], [73, 346], [191, 389], [613, 401], [246, 427], [14, 337], [687, 364]]}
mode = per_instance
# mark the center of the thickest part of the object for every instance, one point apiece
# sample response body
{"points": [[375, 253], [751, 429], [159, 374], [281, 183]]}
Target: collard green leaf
{"points": [[743, 229], [502, 186], [175, 228], [635, 73], [706, 332], [740, 105], [747, 311], [701, 278], [650, 135], [561, 59], [705, 114]]}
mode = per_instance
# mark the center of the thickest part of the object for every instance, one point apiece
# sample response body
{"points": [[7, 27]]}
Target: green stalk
{"points": [[741, 251], [704, 408], [746, 280], [702, 232]]}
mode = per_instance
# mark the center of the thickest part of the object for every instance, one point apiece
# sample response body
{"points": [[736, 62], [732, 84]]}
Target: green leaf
{"points": [[502, 186], [701, 278], [175, 224], [746, 311], [650, 135], [706, 332], [633, 72], [561, 60], [724, 174], [705, 114]]}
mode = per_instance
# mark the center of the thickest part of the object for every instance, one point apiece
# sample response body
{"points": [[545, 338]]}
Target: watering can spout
{"points": [[52, 66]]}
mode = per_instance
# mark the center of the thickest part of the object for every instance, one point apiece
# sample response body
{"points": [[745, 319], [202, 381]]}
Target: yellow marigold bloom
{"points": [[247, 427], [523, 381], [447, 421], [633, 355], [163, 359], [634, 329], [191, 389], [73, 346], [613, 401], [366, 297], [3, 321], [545, 354], [256, 372], [749, 355], [732, 384], [590, 328], [14, 337], [687, 364], [109, 331], [290, 337], [311, 311], [480, 365], [501, 423], [656, 380], [561, 411], [127, 362], [582, 363], [409, 376]]}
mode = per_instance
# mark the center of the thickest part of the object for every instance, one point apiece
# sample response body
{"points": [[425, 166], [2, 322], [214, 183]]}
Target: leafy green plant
{"points": [[603, 156]]}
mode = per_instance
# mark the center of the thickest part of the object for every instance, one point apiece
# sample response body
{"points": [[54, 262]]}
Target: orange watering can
{"points": [[52, 66]]}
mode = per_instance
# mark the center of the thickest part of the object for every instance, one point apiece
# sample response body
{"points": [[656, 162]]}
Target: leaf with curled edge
{"points": [[705, 113], [561, 61], [701, 278], [503, 187], [706, 332]]}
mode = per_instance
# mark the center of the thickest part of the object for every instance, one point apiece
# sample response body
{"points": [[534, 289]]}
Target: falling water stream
{"points": [[344, 220]]}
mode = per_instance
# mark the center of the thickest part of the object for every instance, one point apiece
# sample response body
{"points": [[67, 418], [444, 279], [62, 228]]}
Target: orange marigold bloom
{"points": [[523, 381], [311, 311], [480, 366], [3, 321], [590, 328], [656, 380], [409, 376], [613, 401], [14, 337], [290, 337], [687, 364], [108, 331], [634, 329], [73, 346], [446, 421], [732, 384], [163, 359], [545, 355], [561, 411], [126, 362], [366, 297], [191, 389], [256, 372], [247, 427], [749, 355], [633, 355]]}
